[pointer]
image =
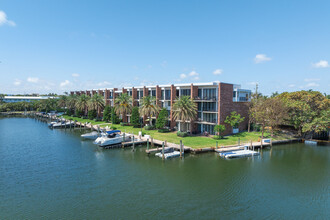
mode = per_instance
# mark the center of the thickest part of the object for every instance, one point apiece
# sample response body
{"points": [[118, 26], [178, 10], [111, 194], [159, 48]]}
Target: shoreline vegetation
{"points": [[194, 141]]}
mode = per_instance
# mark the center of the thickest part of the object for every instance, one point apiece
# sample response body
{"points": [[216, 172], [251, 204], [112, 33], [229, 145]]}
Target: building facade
{"points": [[214, 101], [9, 99]]}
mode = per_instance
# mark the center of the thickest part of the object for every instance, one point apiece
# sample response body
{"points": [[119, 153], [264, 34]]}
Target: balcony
{"points": [[205, 98]]}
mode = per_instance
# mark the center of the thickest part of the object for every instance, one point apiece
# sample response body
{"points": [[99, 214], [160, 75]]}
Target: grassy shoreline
{"points": [[190, 141]]}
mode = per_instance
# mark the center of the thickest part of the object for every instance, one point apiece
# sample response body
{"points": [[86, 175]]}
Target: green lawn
{"points": [[192, 141]]}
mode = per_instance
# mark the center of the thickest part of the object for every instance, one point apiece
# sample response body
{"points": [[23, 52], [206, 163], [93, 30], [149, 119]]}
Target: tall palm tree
{"points": [[71, 102], [184, 109], [149, 107], [82, 103], [123, 104], [96, 103], [63, 101]]}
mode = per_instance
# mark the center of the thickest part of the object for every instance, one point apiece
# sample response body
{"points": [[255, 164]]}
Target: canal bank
{"points": [[57, 174], [218, 147]]}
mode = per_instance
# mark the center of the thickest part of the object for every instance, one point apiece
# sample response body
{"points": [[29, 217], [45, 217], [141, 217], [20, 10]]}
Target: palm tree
{"points": [[123, 104], [184, 109], [96, 103], [149, 107], [63, 101], [82, 103], [71, 102]]}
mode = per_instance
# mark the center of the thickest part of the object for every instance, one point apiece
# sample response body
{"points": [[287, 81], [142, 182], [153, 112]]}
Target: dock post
{"points": [[147, 143], [165, 143], [152, 142], [271, 142], [239, 141], [133, 144], [85, 125], [216, 144], [251, 145], [163, 156], [181, 149], [261, 143], [70, 124], [124, 137]]}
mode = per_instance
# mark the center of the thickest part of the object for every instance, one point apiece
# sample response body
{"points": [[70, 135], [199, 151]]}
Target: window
{"points": [[153, 92], [185, 92], [168, 94], [162, 95], [234, 94]]}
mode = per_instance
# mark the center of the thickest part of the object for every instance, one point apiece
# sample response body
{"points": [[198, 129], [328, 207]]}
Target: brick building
{"points": [[214, 100]]}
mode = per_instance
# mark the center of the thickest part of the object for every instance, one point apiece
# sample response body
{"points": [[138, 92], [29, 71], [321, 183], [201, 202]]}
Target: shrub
{"points": [[107, 113], [149, 127], [135, 117], [163, 130], [123, 124], [219, 129], [182, 134], [162, 118], [92, 114]]}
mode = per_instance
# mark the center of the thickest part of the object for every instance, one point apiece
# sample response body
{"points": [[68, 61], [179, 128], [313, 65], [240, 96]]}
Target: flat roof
{"points": [[27, 97]]}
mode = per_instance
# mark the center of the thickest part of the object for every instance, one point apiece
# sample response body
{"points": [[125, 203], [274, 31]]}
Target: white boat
{"points": [[92, 135], [169, 155], [63, 124], [111, 138], [51, 124], [239, 153]]}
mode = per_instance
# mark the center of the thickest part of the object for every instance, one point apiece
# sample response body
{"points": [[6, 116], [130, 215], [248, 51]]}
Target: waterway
{"points": [[54, 174]]}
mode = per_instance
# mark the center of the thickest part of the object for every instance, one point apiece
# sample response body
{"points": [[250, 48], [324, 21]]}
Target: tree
{"points": [[82, 103], [63, 101], [259, 113], [135, 117], [184, 110], [319, 124], [123, 104], [219, 129], [149, 107], [107, 113], [303, 108], [96, 103], [234, 119], [276, 112], [72, 102], [92, 114], [162, 119], [114, 117]]}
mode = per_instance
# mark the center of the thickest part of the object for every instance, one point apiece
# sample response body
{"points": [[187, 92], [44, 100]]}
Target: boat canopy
{"points": [[114, 131]]}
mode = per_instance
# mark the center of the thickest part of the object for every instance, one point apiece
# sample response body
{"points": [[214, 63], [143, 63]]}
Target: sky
{"points": [[65, 45]]}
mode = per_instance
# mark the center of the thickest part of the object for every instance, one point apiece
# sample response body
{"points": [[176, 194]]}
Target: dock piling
{"points": [[147, 143], [181, 149], [216, 144], [163, 155], [133, 144]]}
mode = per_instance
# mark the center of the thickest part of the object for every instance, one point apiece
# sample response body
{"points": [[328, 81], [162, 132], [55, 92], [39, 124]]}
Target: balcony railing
{"points": [[206, 98]]}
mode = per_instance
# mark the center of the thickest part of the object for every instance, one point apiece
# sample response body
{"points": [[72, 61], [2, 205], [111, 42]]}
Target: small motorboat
{"points": [[239, 153], [111, 138], [169, 154], [92, 135]]}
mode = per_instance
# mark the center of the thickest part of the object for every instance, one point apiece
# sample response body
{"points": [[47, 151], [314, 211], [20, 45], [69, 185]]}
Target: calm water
{"points": [[48, 173]]}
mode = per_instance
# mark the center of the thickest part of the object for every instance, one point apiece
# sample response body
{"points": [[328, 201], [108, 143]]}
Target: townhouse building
{"points": [[214, 100]]}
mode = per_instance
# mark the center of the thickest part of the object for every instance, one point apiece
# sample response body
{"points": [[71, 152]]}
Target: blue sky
{"points": [[56, 46]]}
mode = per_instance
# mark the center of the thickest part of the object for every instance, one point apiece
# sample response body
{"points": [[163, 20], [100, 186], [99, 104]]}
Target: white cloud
{"points": [[75, 75], [193, 73], [217, 71], [65, 83], [33, 79], [196, 78], [252, 83], [4, 20], [17, 82], [292, 85], [260, 58], [312, 84], [183, 76], [104, 83], [311, 80], [321, 64]]}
